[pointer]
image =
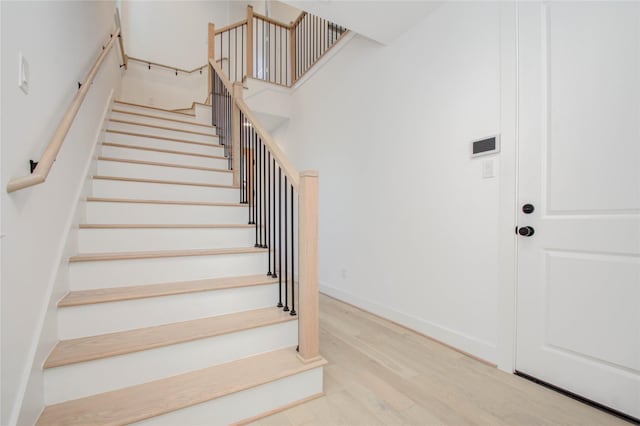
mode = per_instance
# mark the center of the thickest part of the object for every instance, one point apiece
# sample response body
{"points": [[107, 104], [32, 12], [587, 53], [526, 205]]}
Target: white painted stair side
{"points": [[150, 171], [174, 156], [119, 273], [114, 188], [140, 212], [153, 119], [247, 403], [99, 318], [166, 131], [102, 375], [145, 140], [124, 106], [100, 240]]}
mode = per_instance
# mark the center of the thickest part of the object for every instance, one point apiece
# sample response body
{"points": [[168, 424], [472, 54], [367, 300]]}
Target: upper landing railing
{"points": [[266, 49]]}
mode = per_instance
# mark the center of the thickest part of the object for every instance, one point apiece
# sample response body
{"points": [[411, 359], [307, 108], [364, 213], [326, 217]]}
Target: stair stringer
{"points": [[59, 283]]}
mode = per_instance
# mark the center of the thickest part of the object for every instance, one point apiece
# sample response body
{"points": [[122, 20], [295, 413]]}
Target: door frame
{"points": [[508, 189]]}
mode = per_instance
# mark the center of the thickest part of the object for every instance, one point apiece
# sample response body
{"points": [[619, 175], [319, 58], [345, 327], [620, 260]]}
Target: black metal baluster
{"points": [[264, 198], [273, 216], [258, 193], [286, 281], [254, 182], [323, 24], [212, 74], [280, 237], [241, 154], [242, 73], [293, 279], [268, 222]]}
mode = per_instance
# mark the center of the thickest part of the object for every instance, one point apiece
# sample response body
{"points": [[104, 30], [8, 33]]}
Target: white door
{"points": [[578, 294]]}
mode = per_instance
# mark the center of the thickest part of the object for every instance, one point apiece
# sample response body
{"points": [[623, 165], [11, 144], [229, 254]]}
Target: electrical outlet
{"points": [[23, 73]]}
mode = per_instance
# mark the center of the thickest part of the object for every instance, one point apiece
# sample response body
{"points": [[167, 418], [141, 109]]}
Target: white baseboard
{"points": [[464, 343]]}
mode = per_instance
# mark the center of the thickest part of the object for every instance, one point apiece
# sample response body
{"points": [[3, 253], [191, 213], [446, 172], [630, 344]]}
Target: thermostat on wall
{"points": [[485, 146]]}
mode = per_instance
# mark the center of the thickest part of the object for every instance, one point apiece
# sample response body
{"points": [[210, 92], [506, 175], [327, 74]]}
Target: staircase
{"points": [[171, 317]]}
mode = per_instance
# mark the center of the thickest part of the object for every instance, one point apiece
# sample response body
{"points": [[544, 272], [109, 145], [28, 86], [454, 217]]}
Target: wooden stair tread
{"points": [[163, 225], [152, 107], [164, 138], [92, 257], [183, 203], [154, 126], [165, 182], [139, 114], [162, 396], [103, 295], [107, 345], [165, 151], [155, 163]]}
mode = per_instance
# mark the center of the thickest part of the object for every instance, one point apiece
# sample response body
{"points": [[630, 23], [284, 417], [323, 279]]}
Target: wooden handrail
{"points": [[231, 26], [286, 165], [43, 168], [125, 58], [271, 20], [298, 19], [169, 67]]}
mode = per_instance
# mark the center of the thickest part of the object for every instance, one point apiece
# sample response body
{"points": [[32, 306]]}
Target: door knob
{"points": [[526, 231]]}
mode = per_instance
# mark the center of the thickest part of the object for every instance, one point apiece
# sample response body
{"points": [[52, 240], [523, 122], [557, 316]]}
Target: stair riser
{"points": [[216, 150], [99, 318], [162, 157], [161, 122], [118, 273], [144, 171], [156, 112], [149, 239], [92, 377], [245, 404], [147, 130], [107, 212]]}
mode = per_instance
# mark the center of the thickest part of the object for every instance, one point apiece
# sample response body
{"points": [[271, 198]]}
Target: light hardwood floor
{"points": [[382, 374]]}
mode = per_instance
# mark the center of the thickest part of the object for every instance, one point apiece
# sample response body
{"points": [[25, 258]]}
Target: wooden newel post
{"points": [[250, 41], [235, 133], [211, 56], [308, 255]]}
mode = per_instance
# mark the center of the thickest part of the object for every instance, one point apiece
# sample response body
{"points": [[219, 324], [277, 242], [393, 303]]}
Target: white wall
{"points": [[61, 41], [408, 226], [171, 33], [162, 87]]}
